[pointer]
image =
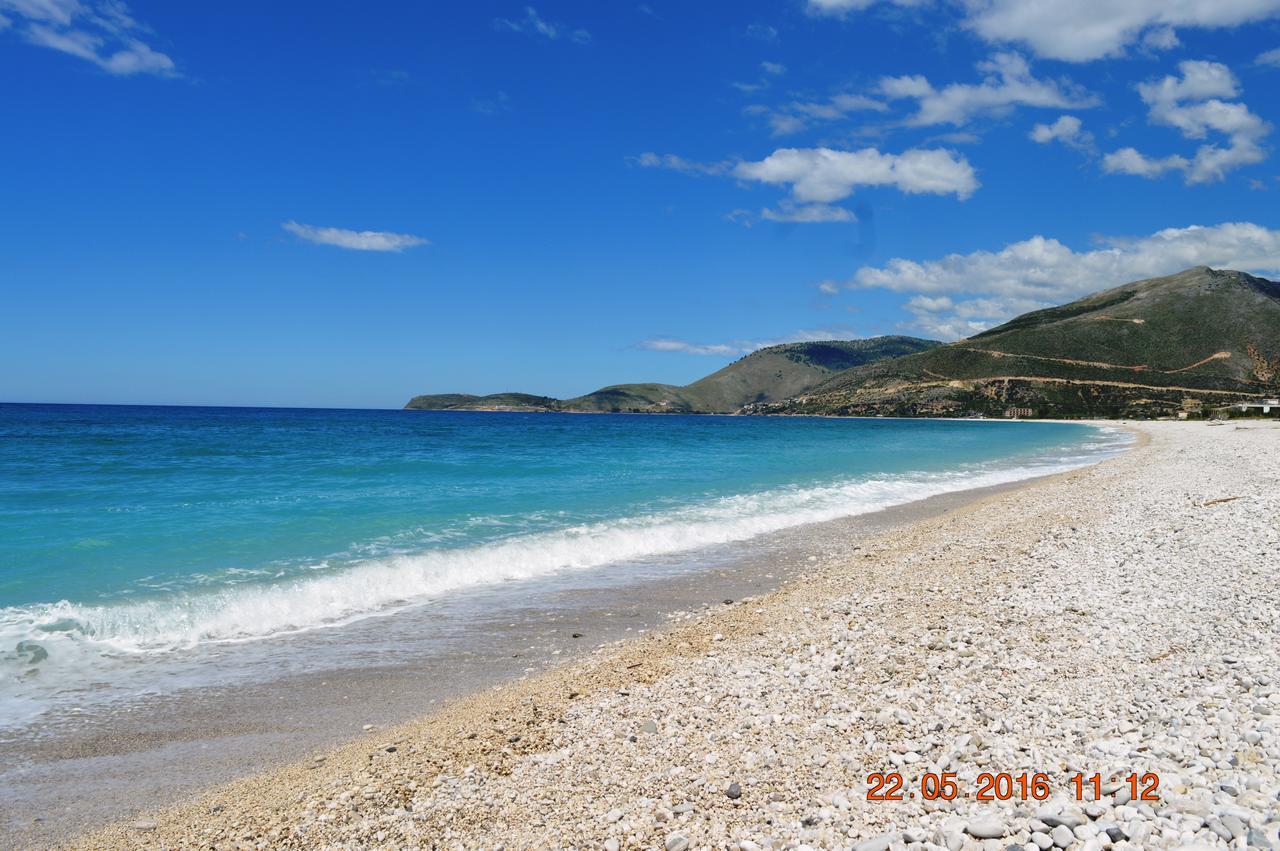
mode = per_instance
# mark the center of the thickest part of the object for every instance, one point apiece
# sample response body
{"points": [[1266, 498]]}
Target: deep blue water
{"points": [[136, 530]]}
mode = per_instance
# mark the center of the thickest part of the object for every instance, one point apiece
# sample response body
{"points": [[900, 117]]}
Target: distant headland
{"points": [[1187, 344]]}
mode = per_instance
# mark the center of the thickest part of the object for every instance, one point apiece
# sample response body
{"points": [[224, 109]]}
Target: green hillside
{"points": [[493, 402], [1198, 338], [768, 375]]}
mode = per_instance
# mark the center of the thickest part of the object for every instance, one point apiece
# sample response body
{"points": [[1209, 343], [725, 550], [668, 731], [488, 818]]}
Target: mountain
{"points": [[769, 375], [1189, 341]]}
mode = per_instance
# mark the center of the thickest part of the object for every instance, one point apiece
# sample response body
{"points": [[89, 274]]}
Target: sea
{"points": [[145, 550]]}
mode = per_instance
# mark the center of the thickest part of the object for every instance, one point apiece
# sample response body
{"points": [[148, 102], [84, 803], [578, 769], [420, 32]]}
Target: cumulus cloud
{"points": [[1194, 104], [357, 240], [102, 32], [824, 176], [734, 348], [534, 24], [819, 177], [1077, 32], [1068, 130], [962, 294], [1007, 83]]}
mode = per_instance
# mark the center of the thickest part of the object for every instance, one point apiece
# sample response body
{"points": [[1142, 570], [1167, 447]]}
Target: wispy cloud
{"points": [[103, 32], [1007, 83], [839, 8], [672, 162], [734, 348], [535, 24], [1271, 57], [501, 102], [356, 240], [962, 294], [798, 115], [762, 32], [789, 211]]}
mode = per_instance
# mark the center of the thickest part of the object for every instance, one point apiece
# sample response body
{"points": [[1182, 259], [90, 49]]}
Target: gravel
{"points": [[1113, 620]]}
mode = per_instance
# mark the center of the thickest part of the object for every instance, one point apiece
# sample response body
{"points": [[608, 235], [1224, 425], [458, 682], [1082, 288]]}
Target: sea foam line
{"points": [[383, 585]]}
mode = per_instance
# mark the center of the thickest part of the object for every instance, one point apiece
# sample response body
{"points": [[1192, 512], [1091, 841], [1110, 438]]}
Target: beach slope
{"points": [[1120, 620]]}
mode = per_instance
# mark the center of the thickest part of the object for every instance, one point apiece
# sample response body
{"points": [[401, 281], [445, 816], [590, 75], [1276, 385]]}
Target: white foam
{"points": [[76, 633]]}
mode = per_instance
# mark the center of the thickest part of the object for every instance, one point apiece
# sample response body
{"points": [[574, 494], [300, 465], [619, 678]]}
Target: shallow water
{"points": [[146, 550]]}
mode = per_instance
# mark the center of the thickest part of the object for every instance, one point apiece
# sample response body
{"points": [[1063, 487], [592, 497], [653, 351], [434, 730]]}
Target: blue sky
{"points": [[342, 204]]}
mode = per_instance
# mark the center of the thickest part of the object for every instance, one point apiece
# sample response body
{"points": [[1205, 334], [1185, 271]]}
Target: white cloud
{"points": [[672, 162], [1083, 30], [357, 240], [1068, 130], [1007, 83], [783, 124], [1193, 103], [798, 115], [1271, 57], [669, 344], [1161, 38], [1132, 161], [823, 175], [535, 24], [957, 138], [1078, 31], [789, 211], [1200, 80], [743, 347], [99, 31], [844, 7], [777, 69], [962, 294], [820, 177]]}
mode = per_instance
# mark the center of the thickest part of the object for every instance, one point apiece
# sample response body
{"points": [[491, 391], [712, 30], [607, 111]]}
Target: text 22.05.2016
{"points": [[1003, 786]]}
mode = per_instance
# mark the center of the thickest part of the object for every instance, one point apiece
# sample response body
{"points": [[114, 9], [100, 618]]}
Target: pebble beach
{"points": [[1118, 621]]}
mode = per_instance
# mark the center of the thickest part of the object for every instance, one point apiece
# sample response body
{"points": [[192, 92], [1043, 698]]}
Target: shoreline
{"points": [[827, 537], [868, 664], [219, 734]]}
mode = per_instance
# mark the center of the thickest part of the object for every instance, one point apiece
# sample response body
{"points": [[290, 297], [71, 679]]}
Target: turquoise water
{"points": [[128, 531]]}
